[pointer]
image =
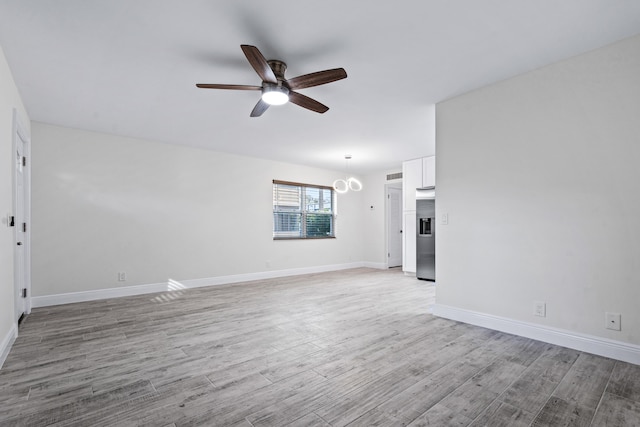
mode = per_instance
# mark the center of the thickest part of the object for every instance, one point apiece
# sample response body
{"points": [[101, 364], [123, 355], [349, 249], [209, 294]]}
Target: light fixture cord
{"points": [[347, 157]]}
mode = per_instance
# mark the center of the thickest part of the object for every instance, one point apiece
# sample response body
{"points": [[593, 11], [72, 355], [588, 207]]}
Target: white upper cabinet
{"points": [[429, 171], [417, 173]]}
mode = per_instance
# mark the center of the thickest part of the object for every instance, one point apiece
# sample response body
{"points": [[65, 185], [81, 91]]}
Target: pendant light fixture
{"points": [[350, 183]]}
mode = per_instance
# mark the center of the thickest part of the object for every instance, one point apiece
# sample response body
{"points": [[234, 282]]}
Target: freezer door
{"points": [[426, 239]]}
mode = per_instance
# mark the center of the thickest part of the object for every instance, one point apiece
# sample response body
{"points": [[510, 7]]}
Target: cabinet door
{"points": [[429, 171], [411, 179], [409, 241]]}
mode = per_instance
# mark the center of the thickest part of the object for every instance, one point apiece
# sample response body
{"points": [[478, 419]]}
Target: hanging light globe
{"points": [[341, 186], [354, 184]]}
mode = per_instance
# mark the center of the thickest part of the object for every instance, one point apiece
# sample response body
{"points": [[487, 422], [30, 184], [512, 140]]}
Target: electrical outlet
{"points": [[539, 309], [122, 276], [612, 321]]}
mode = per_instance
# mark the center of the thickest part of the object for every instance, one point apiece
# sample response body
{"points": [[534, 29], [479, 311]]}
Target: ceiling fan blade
{"points": [[260, 108], [306, 102], [234, 87], [317, 78], [259, 64]]}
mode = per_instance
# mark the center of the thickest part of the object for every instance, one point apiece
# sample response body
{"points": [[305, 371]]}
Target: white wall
{"points": [[9, 99], [103, 204], [540, 177]]}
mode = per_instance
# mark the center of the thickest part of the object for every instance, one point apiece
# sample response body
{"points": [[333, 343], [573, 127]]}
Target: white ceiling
{"points": [[129, 67]]}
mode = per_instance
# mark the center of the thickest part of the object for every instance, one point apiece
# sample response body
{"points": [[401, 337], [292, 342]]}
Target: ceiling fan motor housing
{"points": [[278, 68]]}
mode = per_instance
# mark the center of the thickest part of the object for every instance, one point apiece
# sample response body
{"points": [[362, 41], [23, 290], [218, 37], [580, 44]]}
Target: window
{"points": [[302, 211]]}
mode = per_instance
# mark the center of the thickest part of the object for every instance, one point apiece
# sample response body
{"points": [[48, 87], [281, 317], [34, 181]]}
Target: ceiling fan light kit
{"points": [[275, 94], [276, 89]]}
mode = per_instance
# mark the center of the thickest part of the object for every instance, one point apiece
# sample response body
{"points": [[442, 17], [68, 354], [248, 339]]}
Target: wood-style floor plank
{"points": [[348, 348], [586, 380], [617, 411], [625, 381], [559, 412]]}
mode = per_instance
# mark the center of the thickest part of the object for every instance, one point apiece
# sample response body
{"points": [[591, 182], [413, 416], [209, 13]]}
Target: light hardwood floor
{"points": [[352, 348]]}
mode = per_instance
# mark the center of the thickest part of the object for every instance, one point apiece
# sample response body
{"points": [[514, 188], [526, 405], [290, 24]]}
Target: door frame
{"points": [[396, 185], [20, 136]]}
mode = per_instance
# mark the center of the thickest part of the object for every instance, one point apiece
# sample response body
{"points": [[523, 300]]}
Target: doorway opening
{"points": [[393, 201]]}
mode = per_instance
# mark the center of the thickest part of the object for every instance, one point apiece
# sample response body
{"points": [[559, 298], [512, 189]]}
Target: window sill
{"points": [[304, 238]]}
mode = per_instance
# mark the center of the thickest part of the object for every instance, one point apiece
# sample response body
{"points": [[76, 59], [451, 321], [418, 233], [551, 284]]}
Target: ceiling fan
{"points": [[276, 89]]}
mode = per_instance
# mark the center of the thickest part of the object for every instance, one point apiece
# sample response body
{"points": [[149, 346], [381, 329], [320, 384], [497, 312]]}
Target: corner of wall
{"points": [[7, 342]]}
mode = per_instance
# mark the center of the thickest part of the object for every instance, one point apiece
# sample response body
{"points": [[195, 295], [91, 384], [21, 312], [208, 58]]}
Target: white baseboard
{"points": [[376, 265], [248, 277], [98, 294], [174, 285], [588, 343], [7, 342]]}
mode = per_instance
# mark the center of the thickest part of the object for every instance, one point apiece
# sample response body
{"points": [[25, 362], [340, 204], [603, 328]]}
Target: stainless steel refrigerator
{"points": [[426, 234]]}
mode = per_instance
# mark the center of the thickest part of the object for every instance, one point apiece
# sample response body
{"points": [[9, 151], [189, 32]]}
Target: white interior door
{"points": [[394, 227], [20, 228]]}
